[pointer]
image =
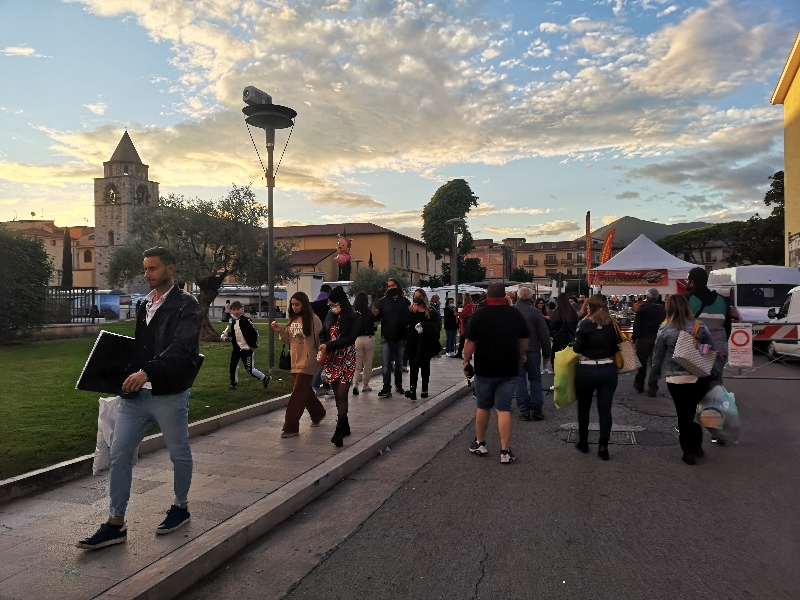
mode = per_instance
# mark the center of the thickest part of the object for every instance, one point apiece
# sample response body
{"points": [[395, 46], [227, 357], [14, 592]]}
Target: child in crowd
{"points": [[244, 341]]}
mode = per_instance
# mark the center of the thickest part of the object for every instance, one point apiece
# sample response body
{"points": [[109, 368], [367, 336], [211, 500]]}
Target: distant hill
{"points": [[629, 228]]}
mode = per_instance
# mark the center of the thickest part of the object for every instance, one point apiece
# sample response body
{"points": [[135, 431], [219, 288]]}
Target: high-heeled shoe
{"points": [[602, 451], [583, 447]]}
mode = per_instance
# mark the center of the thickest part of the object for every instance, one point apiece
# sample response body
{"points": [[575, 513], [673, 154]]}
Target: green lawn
{"points": [[46, 420]]}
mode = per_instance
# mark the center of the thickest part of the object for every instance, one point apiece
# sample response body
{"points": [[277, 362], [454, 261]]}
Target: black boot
{"points": [[583, 447], [411, 394], [338, 435], [602, 450], [344, 423]]}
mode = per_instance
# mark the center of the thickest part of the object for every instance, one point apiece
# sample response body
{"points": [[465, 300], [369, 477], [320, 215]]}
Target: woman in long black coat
{"points": [[422, 342]]}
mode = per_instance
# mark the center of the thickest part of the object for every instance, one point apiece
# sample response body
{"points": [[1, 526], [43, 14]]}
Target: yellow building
{"points": [[388, 249], [53, 238], [787, 93]]}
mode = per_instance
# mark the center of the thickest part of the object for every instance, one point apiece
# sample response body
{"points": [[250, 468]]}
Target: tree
{"points": [[775, 196], [469, 270], [66, 260], [693, 243], [370, 264], [577, 286], [373, 281], [434, 281], [25, 273], [521, 275], [211, 241], [451, 201]]}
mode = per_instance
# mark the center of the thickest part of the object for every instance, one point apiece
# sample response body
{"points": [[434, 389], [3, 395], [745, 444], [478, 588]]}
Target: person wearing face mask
{"points": [[244, 341], [392, 311], [422, 342], [338, 353], [450, 327]]}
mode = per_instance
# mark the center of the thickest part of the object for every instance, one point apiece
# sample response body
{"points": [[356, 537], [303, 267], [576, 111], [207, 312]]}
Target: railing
{"points": [[531, 263], [73, 305], [551, 263], [567, 261]]}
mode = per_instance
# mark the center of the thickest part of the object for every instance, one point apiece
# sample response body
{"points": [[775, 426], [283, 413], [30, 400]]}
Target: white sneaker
{"points": [[329, 394], [478, 448], [366, 388], [507, 457]]}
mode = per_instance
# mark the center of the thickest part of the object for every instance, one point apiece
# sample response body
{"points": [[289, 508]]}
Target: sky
{"points": [[657, 109]]}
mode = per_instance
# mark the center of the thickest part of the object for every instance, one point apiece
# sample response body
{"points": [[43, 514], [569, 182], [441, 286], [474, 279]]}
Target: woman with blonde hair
{"points": [[422, 342], [302, 334], [597, 341], [686, 389]]}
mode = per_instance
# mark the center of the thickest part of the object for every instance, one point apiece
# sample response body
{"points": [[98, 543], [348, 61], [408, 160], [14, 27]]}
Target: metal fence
{"points": [[73, 305]]}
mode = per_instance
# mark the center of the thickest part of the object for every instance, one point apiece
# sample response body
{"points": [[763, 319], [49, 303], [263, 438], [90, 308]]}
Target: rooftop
{"points": [[126, 151]]}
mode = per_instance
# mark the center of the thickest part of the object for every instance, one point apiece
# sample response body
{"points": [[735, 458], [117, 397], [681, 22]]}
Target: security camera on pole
{"points": [[262, 113]]}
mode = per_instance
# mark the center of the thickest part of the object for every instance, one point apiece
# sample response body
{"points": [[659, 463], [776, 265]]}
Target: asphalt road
{"points": [[561, 524]]}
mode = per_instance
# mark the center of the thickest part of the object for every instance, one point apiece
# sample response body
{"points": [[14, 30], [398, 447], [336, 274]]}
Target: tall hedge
{"points": [[25, 272]]}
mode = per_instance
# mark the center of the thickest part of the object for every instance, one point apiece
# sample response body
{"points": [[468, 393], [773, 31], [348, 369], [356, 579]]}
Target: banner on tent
{"points": [[643, 277]]}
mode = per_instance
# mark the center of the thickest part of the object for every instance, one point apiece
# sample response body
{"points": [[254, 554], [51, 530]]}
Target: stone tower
{"points": [[123, 187]]}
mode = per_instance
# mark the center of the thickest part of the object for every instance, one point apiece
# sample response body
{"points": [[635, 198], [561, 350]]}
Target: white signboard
{"points": [[740, 345]]}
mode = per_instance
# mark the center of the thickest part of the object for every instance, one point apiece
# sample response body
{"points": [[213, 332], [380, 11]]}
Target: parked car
{"points": [[788, 317]]}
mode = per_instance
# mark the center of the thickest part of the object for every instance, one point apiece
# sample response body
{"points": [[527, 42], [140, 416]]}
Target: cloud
{"points": [[487, 208], [667, 11], [99, 108], [18, 51], [627, 195], [553, 228], [343, 198], [609, 219]]}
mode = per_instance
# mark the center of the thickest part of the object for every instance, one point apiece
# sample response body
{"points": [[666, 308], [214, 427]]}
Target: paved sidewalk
{"points": [[234, 467]]}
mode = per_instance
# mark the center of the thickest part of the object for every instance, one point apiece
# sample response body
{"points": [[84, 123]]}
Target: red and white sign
{"points": [[774, 332], [641, 277], [740, 345]]}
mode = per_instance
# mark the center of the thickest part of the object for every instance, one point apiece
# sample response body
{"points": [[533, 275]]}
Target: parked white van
{"points": [[754, 289], [788, 317]]}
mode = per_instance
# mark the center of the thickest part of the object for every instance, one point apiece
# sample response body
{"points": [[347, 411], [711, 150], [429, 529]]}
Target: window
{"points": [[597, 257], [550, 259], [418, 260], [490, 272], [532, 274], [87, 256], [553, 245], [394, 256], [569, 255], [427, 264], [52, 242], [549, 271], [408, 258], [491, 257], [110, 238], [569, 271], [530, 259], [125, 170], [708, 256], [580, 257]]}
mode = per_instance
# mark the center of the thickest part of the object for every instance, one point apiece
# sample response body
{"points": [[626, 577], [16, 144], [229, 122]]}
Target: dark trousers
{"points": [[588, 379], [686, 396], [303, 398], [644, 350], [416, 367], [392, 357], [246, 356], [461, 339]]}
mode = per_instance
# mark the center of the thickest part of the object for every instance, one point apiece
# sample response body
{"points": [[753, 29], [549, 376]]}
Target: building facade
{"points": [[386, 247], [125, 186], [787, 92]]}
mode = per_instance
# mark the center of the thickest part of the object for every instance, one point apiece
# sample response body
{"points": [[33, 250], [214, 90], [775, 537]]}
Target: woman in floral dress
{"points": [[338, 354]]}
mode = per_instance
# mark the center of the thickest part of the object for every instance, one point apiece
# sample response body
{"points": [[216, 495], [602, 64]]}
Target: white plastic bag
{"points": [[717, 412], [106, 421]]}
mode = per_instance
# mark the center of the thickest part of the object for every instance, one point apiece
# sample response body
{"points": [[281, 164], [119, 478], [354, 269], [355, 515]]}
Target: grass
{"points": [[46, 420]]}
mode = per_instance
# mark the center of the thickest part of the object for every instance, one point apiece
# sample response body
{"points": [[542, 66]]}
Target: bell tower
{"points": [[123, 187]]}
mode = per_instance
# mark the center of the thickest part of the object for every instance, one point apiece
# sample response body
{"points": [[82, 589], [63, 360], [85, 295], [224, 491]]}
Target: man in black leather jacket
{"points": [[163, 369]]}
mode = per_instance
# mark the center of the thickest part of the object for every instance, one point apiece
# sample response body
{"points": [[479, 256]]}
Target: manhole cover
{"points": [[617, 437]]}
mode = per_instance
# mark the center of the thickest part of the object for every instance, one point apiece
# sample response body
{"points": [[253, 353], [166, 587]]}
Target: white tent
{"points": [[447, 291], [638, 264]]}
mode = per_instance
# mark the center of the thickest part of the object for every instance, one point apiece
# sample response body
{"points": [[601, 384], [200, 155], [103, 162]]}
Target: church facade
{"points": [[124, 187]]}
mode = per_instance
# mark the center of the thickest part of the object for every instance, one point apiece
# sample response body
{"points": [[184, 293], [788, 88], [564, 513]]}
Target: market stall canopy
{"points": [[640, 266]]}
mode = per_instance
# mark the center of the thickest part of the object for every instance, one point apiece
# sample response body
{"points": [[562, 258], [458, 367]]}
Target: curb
{"points": [[178, 571], [42, 480]]}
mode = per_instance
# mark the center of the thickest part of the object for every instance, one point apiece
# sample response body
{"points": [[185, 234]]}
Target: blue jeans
{"points": [[529, 371], [450, 340], [171, 413], [392, 352], [496, 392]]}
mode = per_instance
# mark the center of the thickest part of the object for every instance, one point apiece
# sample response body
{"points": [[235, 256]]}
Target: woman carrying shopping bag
{"points": [[687, 390], [597, 342], [339, 334], [302, 334]]}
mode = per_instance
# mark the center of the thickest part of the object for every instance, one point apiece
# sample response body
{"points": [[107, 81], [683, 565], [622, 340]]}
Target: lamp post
{"points": [[503, 248], [358, 261], [454, 255], [262, 113]]}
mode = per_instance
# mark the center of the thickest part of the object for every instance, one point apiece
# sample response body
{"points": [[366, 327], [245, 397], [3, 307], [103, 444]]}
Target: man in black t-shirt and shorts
{"points": [[498, 337]]}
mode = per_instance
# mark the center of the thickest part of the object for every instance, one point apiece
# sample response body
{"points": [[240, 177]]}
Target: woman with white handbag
{"points": [[684, 353], [597, 342]]}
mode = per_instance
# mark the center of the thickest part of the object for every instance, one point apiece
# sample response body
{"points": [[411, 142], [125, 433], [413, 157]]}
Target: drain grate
{"points": [[617, 437]]}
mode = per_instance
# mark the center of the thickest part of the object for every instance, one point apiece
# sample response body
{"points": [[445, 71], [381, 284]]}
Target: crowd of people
{"points": [[332, 344]]}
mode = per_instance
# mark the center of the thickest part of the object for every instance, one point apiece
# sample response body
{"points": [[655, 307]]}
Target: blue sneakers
{"points": [[177, 517], [107, 535]]}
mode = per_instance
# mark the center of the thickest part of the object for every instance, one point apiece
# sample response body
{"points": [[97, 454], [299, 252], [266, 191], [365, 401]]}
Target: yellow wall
{"points": [[791, 161]]}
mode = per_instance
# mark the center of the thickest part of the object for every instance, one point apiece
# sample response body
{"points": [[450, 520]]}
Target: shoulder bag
{"points": [[688, 356], [625, 358], [285, 360]]}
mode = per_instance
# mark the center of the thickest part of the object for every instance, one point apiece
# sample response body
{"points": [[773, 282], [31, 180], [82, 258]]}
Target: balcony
{"points": [[567, 261], [531, 263], [551, 263]]}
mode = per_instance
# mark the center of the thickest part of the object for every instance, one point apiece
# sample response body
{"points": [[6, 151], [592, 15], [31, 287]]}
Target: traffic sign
{"points": [[740, 345]]}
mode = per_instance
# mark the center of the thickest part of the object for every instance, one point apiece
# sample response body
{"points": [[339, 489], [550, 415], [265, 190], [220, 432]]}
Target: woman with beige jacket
{"points": [[302, 335]]}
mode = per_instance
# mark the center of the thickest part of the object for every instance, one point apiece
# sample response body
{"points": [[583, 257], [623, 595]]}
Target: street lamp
{"points": [[454, 255], [262, 113], [503, 248], [358, 261]]}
